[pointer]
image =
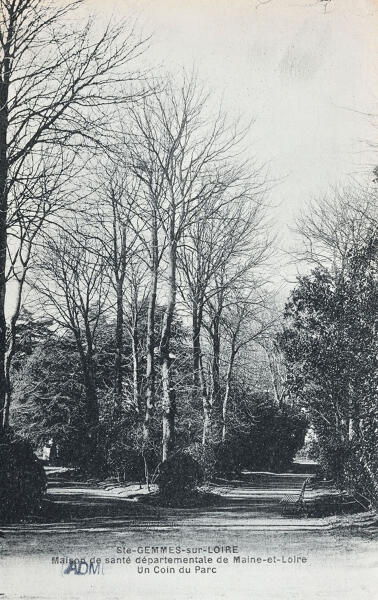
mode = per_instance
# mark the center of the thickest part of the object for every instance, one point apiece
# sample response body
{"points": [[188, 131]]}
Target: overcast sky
{"points": [[304, 70]]}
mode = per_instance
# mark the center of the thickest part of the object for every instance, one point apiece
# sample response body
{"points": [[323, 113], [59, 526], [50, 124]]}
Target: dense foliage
{"points": [[22, 479], [331, 347], [49, 408], [266, 436], [178, 477]]}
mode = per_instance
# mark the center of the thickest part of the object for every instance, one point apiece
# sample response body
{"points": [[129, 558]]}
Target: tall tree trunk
{"points": [[11, 350], [4, 90], [169, 409], [197, 312], [353, 421], [120, 272], [118, 388], [227, 393], [92, 414], [196, 347], [206, 406], [371, 472], [3, 326], [91, 395], [277, 384], [216, 402], [169, 402], [135, 354], [150, 341]]}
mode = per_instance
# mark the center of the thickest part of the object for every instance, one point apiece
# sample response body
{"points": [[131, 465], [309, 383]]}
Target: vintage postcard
{"points": [[188, 299]]}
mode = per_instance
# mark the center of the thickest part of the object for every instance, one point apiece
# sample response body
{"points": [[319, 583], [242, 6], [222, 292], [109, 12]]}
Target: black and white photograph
{"points": [[188, 299]]}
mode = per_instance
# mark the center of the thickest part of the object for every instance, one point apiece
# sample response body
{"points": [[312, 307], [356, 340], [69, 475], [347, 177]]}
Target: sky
{"points": [[304, 71]]}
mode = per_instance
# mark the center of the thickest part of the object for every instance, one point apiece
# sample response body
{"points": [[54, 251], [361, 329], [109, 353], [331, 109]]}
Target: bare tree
{"points": [[56, 85], [118, 230], [154, 254], [222, 235], [128, 230], [250, 245], [183, 158], [71, 282], [331, 227], [246, 321], [205, 250], [277, 368], [136, 300], [40, 198]]}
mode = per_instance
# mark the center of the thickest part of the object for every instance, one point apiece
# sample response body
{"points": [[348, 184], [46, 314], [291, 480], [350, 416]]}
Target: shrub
{"points": [[126, 463], [228, 459], [127, 456], [264, 436], [179, 475], [345, 462], [206, 458], [22, 480], [331, 504], [215, 459]]}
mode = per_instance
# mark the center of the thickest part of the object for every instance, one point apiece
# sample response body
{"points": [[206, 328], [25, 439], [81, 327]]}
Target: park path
{"points": [[97, 521], [250, 501]]}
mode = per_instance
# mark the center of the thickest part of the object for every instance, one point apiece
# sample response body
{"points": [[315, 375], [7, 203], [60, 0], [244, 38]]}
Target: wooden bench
{"points": [[293, 504]]}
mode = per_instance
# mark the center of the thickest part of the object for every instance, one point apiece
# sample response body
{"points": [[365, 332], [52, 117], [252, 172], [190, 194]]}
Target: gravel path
{"points": [[98, 522]]}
